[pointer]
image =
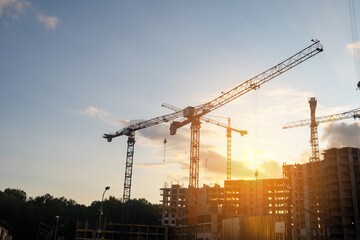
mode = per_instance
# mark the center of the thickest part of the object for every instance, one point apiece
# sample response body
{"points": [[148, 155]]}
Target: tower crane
{"points": [[314, 122], [192, 115], [130, 132], [229, 129]]}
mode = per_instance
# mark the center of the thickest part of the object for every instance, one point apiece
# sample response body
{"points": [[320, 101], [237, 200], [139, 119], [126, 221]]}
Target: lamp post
{"points": [[101, 212], [57, 223]]}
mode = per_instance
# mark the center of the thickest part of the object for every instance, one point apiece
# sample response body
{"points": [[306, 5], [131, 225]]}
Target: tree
{"points": [[26, 215]]}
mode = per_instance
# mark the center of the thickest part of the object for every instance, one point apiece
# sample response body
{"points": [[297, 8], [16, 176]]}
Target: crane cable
{"points": [[355, 42], [255, 127]]}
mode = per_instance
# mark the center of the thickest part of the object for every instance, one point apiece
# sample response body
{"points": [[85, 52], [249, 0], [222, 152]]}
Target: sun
{"points": [[251, 156]]}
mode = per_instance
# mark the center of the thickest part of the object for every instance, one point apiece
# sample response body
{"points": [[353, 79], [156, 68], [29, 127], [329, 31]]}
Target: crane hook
{"points": [[165, 141]]}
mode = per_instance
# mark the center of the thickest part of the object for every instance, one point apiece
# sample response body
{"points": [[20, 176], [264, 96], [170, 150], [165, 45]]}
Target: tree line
{"points": [[29, 218]]}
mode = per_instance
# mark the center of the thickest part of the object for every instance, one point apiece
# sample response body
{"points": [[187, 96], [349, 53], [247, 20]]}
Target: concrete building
{"points": [[341, 178], [174, 205], [256, 197], [239, 198], [305, 200], [261, 197], [318, 200], [174, 211], [325, 196]]}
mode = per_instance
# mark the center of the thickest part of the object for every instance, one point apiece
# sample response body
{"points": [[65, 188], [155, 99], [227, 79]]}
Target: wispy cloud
{"points": [[94, 112], [97, 113], [354, 48], [177, 179], [50, 22], [296, 101], [13, 8], [288, 92], [154, 165]]}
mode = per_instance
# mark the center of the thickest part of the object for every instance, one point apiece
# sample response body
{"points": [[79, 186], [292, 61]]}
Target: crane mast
{"points": [[314, 142], [193, 114], [128, 177], [228, 151]]}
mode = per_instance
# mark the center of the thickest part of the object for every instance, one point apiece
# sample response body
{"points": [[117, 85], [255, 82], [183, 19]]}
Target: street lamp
{"points": [[57, 223], [101, 212]]}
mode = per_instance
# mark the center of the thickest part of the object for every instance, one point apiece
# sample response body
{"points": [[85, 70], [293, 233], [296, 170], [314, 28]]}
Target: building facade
{"points": [[256, 197], [317, 200], [305, 200], [341, 178], [239, 198], [325, 196]]}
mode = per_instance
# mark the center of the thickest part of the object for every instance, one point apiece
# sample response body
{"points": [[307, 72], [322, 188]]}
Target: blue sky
{"points": [[71, 71]]}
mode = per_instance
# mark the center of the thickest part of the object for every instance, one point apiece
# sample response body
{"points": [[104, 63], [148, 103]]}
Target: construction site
{"points": [[180, 120], [314, 200]]}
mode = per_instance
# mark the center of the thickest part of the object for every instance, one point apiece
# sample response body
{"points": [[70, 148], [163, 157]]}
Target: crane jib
{"points": [[355, 113], [255, 82], [249, 85]]}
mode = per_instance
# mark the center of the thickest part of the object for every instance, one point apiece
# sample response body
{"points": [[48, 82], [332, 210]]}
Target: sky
{"points": [[71, 71]]}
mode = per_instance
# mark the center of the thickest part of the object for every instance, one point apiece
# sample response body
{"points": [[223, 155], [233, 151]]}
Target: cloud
{"points": [[94, 112], [216, 164], [159, 132], [213, 161], [146, 136], [288, 92], [342, 135], [353, 48], [50, 23], [99, 114], [296, 102], [177, 179], [240, 170], [270, 169], [13, 8], [160, 165], [304, 156]]}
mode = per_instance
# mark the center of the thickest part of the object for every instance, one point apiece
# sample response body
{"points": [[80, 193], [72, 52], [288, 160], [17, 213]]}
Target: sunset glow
{"points": [[71, 72]]}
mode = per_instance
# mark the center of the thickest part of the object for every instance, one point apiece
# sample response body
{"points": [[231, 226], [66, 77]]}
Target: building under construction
{"points": [[341, 178], [239, 198], [315, 200], [174, 211], [304, 201], [325, 196]]}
